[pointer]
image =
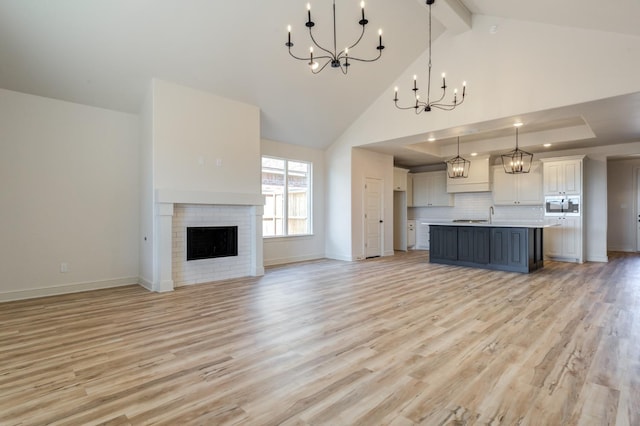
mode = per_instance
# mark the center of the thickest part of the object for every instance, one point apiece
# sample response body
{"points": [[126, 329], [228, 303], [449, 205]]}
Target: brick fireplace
{"points": [[177, 210]]}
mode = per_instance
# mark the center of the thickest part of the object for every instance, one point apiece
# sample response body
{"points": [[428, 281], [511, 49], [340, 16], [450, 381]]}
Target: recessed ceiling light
{"points": [[473, 154], [431, 139], [547, 145]]}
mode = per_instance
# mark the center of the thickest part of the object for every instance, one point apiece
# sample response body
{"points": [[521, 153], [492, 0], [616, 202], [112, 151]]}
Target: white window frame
{"points": [[285, 219]]}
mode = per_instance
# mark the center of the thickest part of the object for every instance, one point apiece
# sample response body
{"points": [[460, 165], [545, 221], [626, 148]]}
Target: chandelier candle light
{"points": [[517, 161], [427, 105], [336, 59], [458, 167]]}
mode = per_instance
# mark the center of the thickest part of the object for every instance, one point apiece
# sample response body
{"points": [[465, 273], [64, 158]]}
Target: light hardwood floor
{"points": [[384, 341]]}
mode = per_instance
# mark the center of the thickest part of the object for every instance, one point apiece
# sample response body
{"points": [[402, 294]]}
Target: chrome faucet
{"points": [[491, 213]]}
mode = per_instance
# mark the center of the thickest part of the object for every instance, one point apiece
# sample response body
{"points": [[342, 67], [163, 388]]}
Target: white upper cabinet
{"points": [[430, 190], [518, 189], [478, 180], [562, 176], [399, 179]]}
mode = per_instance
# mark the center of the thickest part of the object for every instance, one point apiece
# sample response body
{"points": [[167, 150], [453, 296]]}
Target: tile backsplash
{"points": [[475, 205]]}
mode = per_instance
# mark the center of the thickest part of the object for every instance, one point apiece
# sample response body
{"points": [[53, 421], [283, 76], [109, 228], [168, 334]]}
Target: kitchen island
{"points": [[515, 247]]}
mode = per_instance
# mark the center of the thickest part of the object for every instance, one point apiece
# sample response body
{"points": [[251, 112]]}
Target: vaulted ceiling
{"points": [[104, 53]]}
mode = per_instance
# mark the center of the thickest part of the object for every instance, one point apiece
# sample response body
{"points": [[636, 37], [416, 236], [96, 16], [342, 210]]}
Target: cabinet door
{"points": [[465, 244], [553, 176], [563, 177], [444, 242], [438, 195], [530, 186], [553, 238], [481, 245], [571, 175], [517, 247], [504, 187], [420, 190], [499, 246], [399, 179], [572, 238]]}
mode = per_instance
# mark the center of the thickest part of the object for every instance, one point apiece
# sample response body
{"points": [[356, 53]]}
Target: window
{"points": [[287, 201]]}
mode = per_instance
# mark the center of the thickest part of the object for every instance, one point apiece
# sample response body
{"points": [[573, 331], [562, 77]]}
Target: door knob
{"points": [[380, 220]]}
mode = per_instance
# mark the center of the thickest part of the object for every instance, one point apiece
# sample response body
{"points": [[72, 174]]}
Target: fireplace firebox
{"points": [[206, 242]]}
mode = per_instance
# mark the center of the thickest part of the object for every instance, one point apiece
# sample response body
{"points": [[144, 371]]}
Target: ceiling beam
{"points": [[453, 14]]}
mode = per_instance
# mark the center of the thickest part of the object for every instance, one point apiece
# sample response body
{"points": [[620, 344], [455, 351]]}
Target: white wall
{"points": [[69, 194], [292, 249], [147, 236], [369, 164], [621, 198], [203, 142], [525, 67], [338, 202], [595, 208]]}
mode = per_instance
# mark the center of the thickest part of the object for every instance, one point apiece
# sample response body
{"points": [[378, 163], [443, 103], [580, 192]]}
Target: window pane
{"points": [[287, 202], [298, 200], [273, 189]]}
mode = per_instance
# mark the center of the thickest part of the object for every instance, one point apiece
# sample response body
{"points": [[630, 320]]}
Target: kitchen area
{"points": [[545, 203]]}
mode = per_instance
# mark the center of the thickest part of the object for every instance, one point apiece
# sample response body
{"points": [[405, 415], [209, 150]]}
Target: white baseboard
{"points": [[145, 283], [604, 259], [291, 259], [65, 289], [626, 249], [344, 258]]}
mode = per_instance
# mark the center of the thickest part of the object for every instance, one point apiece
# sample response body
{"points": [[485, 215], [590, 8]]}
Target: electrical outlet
{"points": [[64, 267]]}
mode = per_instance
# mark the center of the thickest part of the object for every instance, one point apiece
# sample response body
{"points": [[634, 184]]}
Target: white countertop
{"points": [[493, 224]]}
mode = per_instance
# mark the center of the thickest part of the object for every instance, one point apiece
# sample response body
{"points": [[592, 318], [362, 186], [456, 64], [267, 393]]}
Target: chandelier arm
{"points": [[308, 58], [322, 67], [367, 60], [444, 106], [418, 106], [438, 101], [333, 56], [452, 105], [359, 38]]}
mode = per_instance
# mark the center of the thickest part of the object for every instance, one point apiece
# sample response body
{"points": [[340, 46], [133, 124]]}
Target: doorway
{"points": [[373, 223]]}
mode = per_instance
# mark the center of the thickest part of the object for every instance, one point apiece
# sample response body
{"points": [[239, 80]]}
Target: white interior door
{"points": [[373, 217]]}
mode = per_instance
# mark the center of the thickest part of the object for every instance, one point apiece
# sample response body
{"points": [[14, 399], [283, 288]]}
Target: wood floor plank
{"points": [[386, 341]]}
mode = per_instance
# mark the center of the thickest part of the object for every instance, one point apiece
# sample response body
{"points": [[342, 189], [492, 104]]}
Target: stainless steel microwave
{"points": [[568, 205]]}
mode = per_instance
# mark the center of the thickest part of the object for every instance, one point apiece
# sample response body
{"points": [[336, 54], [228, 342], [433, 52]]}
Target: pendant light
{"points": [[458, 167], [517, 161]]}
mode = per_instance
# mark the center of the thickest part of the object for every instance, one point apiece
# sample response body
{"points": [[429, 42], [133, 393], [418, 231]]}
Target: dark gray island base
{"points": [[515, 249]]}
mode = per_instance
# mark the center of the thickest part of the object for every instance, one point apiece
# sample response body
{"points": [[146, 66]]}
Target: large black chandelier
{"points": [[426, 105], [336, 59]]}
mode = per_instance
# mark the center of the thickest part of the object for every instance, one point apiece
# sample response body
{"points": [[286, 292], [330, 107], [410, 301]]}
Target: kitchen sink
{"points": [[470, 221]]}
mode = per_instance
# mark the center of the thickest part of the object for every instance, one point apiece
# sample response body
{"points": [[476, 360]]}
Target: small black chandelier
{"points": [[427, 105], [517, 161], [458, 167], [336, 59]]}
